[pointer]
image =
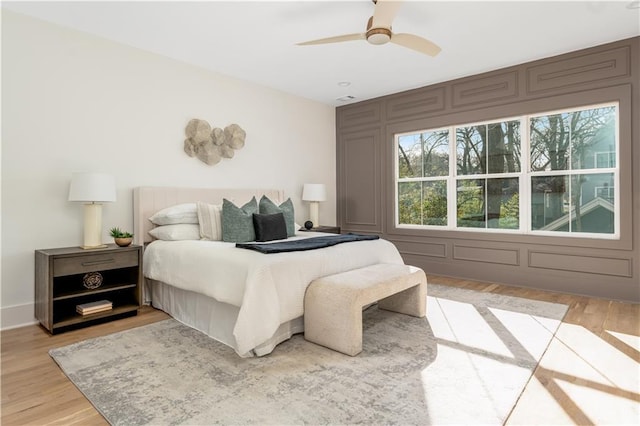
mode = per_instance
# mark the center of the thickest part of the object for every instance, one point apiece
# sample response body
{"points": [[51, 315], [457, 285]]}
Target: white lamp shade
{"points": [[314, 192], [92, 187]]}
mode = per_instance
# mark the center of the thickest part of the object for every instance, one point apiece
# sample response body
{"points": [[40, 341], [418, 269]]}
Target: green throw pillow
{"points": [[237, 222], [269, 207]]}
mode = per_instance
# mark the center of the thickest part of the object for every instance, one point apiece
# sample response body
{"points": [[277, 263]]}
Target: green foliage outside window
{"points": [[423, 203]]}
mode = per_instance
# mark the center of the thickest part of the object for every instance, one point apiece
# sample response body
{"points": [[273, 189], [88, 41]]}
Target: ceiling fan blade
{"points": [[416, 43], [336, 39], [384, 13]]}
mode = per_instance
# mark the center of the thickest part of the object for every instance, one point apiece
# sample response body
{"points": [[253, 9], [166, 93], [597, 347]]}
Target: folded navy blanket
{"points": [[306, 243]]}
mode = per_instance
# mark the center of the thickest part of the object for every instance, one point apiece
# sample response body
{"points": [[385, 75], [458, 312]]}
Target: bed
{"points": [[245, 299]]}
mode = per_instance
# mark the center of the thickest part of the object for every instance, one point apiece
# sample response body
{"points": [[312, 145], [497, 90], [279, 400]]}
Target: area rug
{"points": [[466, 363]]}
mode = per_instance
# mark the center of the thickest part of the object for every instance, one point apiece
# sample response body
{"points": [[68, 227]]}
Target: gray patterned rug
{"points": [[466, 363]]}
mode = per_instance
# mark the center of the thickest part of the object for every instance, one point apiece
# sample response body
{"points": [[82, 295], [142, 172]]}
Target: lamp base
{"points": [[313, 213], [94, 247], [92, 226]]}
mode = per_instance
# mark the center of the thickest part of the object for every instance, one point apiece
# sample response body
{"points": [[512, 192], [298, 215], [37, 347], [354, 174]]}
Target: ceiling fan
{"points": [[379, 31]]}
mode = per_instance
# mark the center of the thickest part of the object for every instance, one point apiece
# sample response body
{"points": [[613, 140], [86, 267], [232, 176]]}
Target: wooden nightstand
{"points": [[328, 229], [64, 275]]}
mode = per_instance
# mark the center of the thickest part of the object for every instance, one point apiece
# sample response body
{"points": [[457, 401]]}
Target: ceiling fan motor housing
{"points": [[379, 36]]}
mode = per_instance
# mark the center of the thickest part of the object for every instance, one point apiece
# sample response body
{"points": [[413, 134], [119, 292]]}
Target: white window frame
{"points": [[524, 178]]}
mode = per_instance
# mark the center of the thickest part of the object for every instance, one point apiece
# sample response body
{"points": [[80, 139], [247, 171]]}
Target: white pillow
{"points": [[180, 213], [177, 232], [210, 220]]}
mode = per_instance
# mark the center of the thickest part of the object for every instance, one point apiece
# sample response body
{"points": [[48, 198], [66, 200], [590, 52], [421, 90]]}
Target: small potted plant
{"points": [[122, 238]]}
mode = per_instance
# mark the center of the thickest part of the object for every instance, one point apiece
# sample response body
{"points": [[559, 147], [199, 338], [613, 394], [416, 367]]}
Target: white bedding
{"points": [[268, 288]]}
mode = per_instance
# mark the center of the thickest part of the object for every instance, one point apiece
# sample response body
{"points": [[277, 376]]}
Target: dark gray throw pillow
{"points": [[269, 227], [237, 222], [269, 207]]}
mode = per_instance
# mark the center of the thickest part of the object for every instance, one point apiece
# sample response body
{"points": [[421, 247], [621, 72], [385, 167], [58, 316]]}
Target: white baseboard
{"points": [[17, 316]]}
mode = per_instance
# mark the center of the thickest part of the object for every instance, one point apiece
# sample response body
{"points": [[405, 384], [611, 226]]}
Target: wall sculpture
{"points": [[212, 145]]}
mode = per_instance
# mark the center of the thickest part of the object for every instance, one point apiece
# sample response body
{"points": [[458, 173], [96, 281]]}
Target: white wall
{"points": [[75, 102]]}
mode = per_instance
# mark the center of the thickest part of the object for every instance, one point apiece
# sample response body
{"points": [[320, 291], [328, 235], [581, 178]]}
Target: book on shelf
{"points": [[94, 307], [93, 311]]}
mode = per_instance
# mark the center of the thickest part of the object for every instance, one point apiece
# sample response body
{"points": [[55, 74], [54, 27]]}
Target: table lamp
{"points": [[92, 189], [314, 193]]}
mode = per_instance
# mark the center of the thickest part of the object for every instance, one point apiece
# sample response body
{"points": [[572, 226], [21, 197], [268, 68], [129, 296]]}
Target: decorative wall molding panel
{"points": [[361, 184], [420, 248], [366, 166], [361, 114], [486, 255], [416, 102], [580, 70], [485, 90], [600, 265]]}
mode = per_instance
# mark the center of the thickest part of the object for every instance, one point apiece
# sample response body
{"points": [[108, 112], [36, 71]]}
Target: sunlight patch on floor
{"points": [[469, 388], [532, 332], [602, 407], [601, 385], [628, 339], [537, 403], [596, 357], [476, 378], [462, 323]]}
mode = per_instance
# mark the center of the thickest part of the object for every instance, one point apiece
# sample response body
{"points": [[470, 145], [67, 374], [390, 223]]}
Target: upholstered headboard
{"points": [[148, 200]]}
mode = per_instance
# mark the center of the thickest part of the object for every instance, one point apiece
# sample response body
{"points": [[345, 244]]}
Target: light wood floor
{"points": [[589, 375]]}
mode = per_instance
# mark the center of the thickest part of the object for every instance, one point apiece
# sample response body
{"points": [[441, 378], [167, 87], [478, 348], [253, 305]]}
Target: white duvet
{"points": [[268, 288]]}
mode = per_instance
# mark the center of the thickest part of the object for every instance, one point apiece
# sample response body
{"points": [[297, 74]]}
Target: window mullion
{"points": [[452, 181], [524, 204]]}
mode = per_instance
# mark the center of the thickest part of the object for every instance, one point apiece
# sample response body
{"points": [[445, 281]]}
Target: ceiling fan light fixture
{"points": [[379, 36]]}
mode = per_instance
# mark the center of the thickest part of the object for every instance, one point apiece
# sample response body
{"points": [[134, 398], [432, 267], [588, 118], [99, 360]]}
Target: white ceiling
{"points": [[255, 41]]}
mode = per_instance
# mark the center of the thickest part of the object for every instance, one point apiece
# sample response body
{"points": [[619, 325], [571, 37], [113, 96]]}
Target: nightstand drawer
{"points": [[94, 262]]}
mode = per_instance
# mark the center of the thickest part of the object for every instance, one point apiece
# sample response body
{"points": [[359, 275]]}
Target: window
{"points": [[487, 170], [549, 173], [423, 170]]}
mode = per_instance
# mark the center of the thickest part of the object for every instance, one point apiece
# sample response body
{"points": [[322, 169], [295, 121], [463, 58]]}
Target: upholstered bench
{"points": [[333, 304]]}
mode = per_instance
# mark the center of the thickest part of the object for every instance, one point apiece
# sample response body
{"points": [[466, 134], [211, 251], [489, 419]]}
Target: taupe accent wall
{"points": [[595, 267]]}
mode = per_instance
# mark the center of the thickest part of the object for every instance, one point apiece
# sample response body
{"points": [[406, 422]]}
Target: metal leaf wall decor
{"points": [[212, 145]]}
